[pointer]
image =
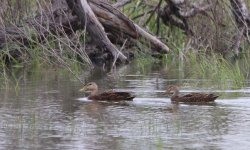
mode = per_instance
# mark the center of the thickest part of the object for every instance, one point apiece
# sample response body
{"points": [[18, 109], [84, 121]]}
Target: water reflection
{"points": [[47, 112]]}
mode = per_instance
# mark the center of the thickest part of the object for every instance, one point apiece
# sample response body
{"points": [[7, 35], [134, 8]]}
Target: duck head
{"points": [[172, 89], [91, 87]]}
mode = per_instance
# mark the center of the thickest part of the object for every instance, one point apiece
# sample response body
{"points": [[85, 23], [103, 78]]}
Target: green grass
{"points": [[221, 71], [145, 61], [57, 52]]}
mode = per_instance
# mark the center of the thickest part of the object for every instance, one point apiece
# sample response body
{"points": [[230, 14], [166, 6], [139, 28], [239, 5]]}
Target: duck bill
{"points": [[168, 93], [83, 89]]}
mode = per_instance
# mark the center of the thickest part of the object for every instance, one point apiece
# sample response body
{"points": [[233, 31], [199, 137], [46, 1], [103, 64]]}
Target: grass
{"points": [[145, 61], [204, 63], [57, 52], [224, 73]]}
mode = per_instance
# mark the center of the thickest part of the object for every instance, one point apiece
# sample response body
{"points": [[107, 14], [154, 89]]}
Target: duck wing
{"points": [[197, 97], [113, 96]]}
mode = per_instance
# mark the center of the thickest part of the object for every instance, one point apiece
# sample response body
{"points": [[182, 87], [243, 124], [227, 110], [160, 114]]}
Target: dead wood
{"points": [[94, 27], [113, 19], [241, 24], [96, 16], [242, 19], [121, 3], [174, 14]]}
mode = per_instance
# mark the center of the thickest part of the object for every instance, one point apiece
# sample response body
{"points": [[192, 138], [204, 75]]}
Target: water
{"points": [[48, 112]]}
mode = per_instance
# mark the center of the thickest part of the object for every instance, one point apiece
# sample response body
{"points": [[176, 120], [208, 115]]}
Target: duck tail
{"points": [[214, 97], [130, 98]]}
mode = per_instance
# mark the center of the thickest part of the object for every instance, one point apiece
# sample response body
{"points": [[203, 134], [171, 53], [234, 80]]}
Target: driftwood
{"points": [[172, 14], [114, 19], [95, 16], [94, 27], [110, 29], [178, 12]]}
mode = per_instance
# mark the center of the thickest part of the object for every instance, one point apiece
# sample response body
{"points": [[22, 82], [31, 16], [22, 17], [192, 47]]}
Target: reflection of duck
{"points": [[110, 96], [192, 97]]}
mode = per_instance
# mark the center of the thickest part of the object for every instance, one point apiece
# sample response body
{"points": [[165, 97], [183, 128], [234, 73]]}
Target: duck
{"points": [[191, 97], [105, 96]]}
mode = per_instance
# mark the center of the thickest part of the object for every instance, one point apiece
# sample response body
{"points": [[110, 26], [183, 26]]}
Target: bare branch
{"points": [[121, 3], [195, 10]]}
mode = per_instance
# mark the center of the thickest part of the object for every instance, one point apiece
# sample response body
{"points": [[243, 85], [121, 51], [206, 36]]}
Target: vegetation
{"points": [[226, 73], [208, 52]]}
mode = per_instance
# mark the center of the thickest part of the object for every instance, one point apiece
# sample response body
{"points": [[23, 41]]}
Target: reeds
{"points": [[223, 73], [202, 53], [50, 48]]}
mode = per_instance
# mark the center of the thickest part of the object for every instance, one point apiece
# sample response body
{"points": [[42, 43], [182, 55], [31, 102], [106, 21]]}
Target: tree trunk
{"points": [[94, 27]]}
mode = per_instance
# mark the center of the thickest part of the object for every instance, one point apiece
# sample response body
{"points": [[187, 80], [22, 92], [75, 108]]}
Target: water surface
{"points": [[48, 112]]}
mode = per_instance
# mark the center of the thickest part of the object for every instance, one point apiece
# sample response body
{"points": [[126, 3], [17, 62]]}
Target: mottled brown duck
{"points": [[105, 96], [191, 97]]}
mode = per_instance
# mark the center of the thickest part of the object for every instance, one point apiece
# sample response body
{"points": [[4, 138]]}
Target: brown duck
{"points": [[189, 98], [108, 96]]}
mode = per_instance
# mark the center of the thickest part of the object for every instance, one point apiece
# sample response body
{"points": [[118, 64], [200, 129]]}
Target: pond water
{"points": [[46, 111]]}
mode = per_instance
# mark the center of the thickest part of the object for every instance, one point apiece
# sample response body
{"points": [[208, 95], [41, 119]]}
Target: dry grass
{"points": [[51, 47]]}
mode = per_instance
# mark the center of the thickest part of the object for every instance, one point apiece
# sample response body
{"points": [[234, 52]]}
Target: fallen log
{"points": [[94, 27], [93, 15], [111, 17]]}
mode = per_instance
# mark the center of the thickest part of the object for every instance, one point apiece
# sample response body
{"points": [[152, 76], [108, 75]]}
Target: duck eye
{"points": [[89, 84]]}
